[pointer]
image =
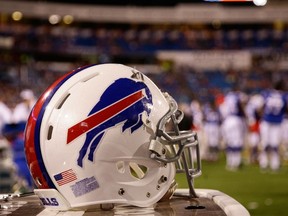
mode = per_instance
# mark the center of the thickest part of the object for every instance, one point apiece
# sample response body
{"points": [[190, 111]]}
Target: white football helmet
{"points": [[98, 135]]}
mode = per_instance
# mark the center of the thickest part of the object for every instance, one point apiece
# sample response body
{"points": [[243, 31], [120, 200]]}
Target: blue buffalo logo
{"points": [[124, 102]]}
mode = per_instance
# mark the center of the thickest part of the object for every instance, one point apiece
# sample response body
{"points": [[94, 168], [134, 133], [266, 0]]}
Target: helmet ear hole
{"points": [[50, 131], [120, 166], [138, 171]]}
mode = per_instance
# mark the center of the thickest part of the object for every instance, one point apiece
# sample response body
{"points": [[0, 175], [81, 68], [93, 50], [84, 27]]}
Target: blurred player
{"points": [[15, 132], [23, 109], [197, 117], [233, 128], [212, 121], [197, 114], [5, 115], [253, 110], [14, 135], [275, 107], [285, 136]]}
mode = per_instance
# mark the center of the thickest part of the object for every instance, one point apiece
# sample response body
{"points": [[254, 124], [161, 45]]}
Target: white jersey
{"points": [[233, 127], [254, 104], [5, 115], [22, 112], [196, 111], [212, 121], [232, 105]]}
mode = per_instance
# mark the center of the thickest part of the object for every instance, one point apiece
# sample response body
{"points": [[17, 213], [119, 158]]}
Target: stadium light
{"points": [[54, 19], [256, 2], [260, 2], [68, 19], [229, 1], [17, 15]]}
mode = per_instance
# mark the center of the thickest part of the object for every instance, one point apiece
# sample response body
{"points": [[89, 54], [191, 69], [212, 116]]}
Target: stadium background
{"points": [[195, 50]]}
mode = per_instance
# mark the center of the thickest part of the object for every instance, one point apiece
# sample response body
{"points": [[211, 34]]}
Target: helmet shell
{"points": [[88, 137]]}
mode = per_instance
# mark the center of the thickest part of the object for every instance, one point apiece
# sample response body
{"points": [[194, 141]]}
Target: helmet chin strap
{"points": [[178, 143]]}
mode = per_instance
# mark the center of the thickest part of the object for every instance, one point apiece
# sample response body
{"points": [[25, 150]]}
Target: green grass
{"points": [[264, 194]]}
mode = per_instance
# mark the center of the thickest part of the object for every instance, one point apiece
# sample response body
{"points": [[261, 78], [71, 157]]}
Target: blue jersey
{"points": [[275, 106]]}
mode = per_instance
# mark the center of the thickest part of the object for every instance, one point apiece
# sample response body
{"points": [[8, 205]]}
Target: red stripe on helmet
{"points": [[103, 115]]}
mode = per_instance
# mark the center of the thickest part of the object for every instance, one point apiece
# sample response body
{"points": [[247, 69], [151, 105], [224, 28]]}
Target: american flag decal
{"points": [[65, 177]]}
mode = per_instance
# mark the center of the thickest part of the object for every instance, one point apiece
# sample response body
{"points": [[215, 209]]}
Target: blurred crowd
{"points": [[140, 39], [144, 39]]}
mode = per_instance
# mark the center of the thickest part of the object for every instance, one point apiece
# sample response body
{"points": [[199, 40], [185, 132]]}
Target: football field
{"points": [[261, 193]]}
